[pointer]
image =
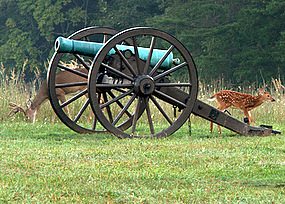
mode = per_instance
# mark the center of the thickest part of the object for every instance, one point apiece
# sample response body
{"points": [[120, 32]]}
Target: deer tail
{"points": [[212, 98]]}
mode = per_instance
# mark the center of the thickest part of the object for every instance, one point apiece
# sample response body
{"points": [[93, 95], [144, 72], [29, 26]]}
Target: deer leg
{"points": [[222, 108], [211, 126], [248, 115], [220, 129], [61, 96], [250, 118]]}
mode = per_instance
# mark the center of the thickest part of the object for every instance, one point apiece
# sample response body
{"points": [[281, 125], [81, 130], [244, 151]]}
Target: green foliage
{"points": [[235, 40], [122, 14]]}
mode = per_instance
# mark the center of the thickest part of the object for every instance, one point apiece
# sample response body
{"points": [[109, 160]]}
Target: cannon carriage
{"points": [[132, 81]]}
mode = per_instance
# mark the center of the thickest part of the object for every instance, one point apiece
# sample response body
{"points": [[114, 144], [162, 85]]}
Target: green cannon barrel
{"points": [[64, 45]]}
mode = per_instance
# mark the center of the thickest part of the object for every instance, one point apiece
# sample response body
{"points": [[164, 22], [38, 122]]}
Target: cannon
{"points": [[65, 45], [134, 87]]}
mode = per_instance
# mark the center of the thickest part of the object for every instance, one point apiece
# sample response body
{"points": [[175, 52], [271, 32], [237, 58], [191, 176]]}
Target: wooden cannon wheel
{"points": [[63, 80], [165, 92]]}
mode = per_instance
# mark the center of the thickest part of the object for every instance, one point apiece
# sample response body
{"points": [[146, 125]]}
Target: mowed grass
{"points": [[43, 163]]}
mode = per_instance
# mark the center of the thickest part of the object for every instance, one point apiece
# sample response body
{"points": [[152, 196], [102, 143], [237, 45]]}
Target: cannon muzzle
{"points": [[65, 45]]}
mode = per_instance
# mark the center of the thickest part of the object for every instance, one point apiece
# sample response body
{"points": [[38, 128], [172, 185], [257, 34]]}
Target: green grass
{"points": [[43, 163]]}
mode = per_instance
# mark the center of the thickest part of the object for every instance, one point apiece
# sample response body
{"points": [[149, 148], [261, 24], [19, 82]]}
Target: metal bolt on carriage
{"points": [[133, 80]]}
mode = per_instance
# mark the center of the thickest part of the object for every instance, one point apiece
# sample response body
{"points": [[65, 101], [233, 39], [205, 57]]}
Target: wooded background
{"points": [[240, 41]]}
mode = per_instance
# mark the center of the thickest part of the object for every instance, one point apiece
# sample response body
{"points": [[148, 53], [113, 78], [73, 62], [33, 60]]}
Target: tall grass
{"points": [[13, 88]]}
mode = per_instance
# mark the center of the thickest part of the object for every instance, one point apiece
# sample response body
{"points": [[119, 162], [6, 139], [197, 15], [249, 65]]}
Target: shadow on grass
{"points": [[202, 132], [57, 132], [265, 184]]}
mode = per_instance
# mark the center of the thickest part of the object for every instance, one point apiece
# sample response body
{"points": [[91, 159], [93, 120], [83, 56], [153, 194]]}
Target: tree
{"points": [[234, 40], [29, 28], [122, 14]]}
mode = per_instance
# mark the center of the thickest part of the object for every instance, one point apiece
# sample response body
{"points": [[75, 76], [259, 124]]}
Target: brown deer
{"points": [[42, 94], [242, 101]]}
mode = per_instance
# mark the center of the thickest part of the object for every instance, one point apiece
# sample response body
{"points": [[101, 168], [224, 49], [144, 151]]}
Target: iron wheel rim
{"points": [[187, 61]]}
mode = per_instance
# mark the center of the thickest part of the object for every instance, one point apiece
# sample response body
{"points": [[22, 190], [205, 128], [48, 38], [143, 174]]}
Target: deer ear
{"points": [[261, 91]]}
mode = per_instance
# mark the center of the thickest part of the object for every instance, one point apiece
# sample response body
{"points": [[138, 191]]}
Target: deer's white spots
{"points": [[242, 101]]}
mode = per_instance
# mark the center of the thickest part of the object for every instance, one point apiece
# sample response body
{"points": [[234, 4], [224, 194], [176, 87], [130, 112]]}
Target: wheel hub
{"points": [[144, 85]]}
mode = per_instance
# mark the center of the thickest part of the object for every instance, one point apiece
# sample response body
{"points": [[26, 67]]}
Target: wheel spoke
{"points": [[161, 110], [105, 38], [170, 99], [114, 85], [161, 60], [83, 108], [112, 69], [82, 61], [124, 110], [173, 84], [136, 54], [77, 96], [129, 66], [108, 108], [135, 118], [116, 99], [141, 92], [73, 71], [64, 85], [149, 117], [119, 103], [173, 69], [153, 39], [119, 90]]}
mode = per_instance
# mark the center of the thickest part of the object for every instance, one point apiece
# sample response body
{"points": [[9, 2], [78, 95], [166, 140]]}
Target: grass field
{"points": [[44, 163]]}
